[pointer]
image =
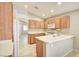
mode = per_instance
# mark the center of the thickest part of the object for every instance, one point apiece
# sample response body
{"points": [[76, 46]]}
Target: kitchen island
{"points": [[50, 46]]}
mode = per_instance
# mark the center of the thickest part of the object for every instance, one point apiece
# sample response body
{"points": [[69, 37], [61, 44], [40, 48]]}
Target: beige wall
{"points": [[74, 27]]}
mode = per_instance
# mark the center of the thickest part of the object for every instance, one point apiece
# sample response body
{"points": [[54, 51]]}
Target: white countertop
{"points": [[35, 32], [6, 47], [51, 39]]}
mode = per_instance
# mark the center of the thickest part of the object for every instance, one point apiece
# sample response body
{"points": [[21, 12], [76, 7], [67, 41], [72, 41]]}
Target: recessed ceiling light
{"points": [[59, 3], [52, 11], [43, 15], [26, 6]]}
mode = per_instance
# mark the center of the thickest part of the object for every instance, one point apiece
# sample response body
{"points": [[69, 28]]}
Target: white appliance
{"points": [[51, 26]]}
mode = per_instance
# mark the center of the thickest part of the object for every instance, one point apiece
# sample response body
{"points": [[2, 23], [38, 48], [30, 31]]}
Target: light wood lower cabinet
{"points": [[32, 39], [39, 48]]}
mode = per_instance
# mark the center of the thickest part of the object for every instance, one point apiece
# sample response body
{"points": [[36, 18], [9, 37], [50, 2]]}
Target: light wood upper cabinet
{"points": [[36, 24], [1, 28], [46, 24], [32, 23], [57, 22], [1, 22], [49, 21], [41, 25], [6, 20], [65, 22], [60, 22]]}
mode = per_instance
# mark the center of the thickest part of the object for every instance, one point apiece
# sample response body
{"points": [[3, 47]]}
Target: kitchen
{"points": [[56, 21], [39, 29], [44, 40]]}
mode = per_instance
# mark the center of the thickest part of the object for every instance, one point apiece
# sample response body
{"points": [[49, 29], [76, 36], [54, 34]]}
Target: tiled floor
{"points": [[29, 51], [73, 54]]}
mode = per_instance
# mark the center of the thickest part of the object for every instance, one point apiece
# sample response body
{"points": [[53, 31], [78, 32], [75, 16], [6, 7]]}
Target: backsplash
{"points": [[36, 30], [64, 31]]}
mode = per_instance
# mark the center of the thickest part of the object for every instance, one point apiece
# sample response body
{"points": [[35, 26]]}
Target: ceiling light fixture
{"points": [[52, 11], [43, 15], [59, 3], [26, 6]]}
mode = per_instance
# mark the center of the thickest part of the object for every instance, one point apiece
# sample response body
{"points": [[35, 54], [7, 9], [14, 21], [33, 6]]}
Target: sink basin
{"points": [[59, 36]]}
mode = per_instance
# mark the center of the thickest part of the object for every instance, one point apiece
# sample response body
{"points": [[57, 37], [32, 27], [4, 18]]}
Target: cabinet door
{"points": [[42, 24], [2, 33], [37, 24], [57, 23], [65, 22], [49, 21], [45, 24], [39, 48], [31, 39], [32, 24], [6, 20]]}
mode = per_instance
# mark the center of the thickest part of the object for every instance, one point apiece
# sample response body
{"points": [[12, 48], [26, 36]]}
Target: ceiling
{"points": [[42, 9]]}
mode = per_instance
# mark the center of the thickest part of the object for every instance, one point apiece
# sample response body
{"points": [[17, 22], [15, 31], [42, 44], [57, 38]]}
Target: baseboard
{"points": [[8, 56], [67, 53]]}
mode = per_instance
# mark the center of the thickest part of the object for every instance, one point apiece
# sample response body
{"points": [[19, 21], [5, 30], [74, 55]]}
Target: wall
{"points": [[74, 27], [15, 33], [16, 30], [35, 18]]}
